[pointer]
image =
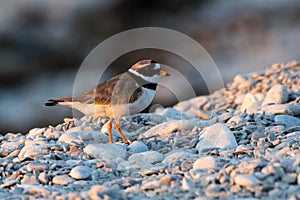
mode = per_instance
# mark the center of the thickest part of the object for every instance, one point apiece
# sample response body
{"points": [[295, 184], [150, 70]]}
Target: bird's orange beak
{"points": [[163, 73]]}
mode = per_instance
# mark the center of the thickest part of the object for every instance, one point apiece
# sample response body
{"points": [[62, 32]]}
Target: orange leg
{"points": [[109, 126], [120, 132]]}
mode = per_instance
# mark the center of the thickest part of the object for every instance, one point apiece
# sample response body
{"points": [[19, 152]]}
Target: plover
{"points": [[128, 93]]}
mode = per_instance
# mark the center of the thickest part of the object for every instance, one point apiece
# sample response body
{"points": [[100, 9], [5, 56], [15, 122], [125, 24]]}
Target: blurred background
{"points": [[43, 43]]}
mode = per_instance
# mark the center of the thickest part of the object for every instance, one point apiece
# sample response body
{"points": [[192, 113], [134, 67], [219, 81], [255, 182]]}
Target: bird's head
{"points": [[149, 70]]}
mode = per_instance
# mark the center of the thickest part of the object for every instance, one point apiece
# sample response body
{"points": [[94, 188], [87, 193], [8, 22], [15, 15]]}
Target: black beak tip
{"points": [[154, 62]]}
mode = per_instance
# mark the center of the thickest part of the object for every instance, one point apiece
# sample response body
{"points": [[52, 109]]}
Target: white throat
{"points": [[152, 79]]}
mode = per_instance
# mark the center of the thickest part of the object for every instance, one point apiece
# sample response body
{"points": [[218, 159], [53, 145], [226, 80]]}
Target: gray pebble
{"points": [[44, 178], [278, 94], [29, 179], [62, 180], [249, 101], [216, 191], [207, 162], [8, 147], [137, 147], [246, 180], [80, 172], [148, 157], [216, 136], [288, 121], [108, 152], [35, 166]]}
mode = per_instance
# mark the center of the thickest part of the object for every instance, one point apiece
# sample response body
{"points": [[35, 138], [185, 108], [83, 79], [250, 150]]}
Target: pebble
{"points": [[70, 138], [36, 190], [62, 180], [8, 147], [92, 137], [216, 136], [148, 157], [44, 178], [80, 172], [35, 166], [205, 162], [235, 120], [29, 180], [246, 180], [177, 155], [278, 94], [288, 121], [277, 109], [109, 152], [168, 127], [36, 131], [249, 101], [103, 192], [216, 191], [137, 147], [30, 151], [8, 183]]}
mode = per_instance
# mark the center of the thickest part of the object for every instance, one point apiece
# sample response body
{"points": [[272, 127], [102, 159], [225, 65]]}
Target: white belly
{"points": [[118, 111], [115, 111]]}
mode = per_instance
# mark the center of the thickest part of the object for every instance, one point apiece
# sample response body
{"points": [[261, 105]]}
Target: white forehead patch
{"points": [[152, 79]]}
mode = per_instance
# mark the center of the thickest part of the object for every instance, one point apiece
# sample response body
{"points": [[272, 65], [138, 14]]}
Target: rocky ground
{"points": [[242, 142]]}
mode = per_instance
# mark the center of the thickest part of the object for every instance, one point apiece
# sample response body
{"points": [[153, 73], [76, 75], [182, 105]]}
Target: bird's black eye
{"points": [[153, 61]]}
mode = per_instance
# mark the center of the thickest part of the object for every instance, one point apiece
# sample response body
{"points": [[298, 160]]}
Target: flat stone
{"points": [[8, 182], [35, 166], [216, 191], [109, 152], [173, 114], [137, 147], [103, 192], [249, 101], [62, 180], [31, 151], [29, 180], [52, 135], [148, 157], [36, 190], [168, 127], [246, 180], [8, 147], [278, 94], [235, 120], [288, 121], [36, 131], [92, 137], [44, 178], [257, 135], [70, 138], [206, 162], [216, 136], [295, 109], [80, 172], [165, 180], [276, 109], [176, 155]]}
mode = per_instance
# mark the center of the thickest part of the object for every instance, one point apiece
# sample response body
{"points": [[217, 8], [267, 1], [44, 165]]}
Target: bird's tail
{"points": [[57, 101]]}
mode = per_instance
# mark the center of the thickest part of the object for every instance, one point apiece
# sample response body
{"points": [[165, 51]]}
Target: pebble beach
{"points": [[241, 142]]}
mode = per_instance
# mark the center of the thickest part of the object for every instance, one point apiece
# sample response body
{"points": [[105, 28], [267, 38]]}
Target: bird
{"points": [[123, 95]]}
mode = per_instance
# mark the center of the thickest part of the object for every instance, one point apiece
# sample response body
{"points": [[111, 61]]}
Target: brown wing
{"points": [[118, 90]]}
